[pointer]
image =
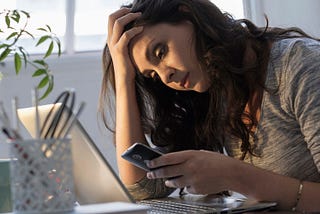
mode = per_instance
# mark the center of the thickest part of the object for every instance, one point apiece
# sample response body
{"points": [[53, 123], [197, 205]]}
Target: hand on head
{"points": [[118, 41]]}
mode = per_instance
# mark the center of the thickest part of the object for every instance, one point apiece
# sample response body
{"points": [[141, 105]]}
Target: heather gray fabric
{"points": [[288, 135]]}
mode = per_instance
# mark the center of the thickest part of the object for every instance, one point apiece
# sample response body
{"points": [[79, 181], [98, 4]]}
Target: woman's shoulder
{"points": [[293, 62], [294, 56], [302, 57], [295, 48]]}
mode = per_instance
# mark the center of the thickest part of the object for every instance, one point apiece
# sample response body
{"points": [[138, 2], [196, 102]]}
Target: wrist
{"points": [[299, 193], [264, 185]]}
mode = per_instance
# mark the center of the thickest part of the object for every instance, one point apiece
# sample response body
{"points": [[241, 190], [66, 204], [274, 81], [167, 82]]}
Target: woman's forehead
{"points": [[138, 49], [156, 31], [140, 42]]}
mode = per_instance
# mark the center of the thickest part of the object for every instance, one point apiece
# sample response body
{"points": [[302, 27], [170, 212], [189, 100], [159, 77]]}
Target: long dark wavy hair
{"points": [[192, 120]]}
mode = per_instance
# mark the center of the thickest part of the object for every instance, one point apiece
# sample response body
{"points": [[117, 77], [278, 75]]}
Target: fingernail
{"points": [[147, 162], [169, 184], [149, 175]]}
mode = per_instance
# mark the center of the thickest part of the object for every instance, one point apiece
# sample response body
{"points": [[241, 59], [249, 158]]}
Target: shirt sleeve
{"points": [[149, 188], [303, 84]]}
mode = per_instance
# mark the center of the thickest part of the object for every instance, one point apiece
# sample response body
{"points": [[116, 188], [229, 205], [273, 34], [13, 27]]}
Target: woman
{"points": [[201, 85]]}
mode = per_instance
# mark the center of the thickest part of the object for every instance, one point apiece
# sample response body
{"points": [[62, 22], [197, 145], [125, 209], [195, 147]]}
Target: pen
{"points": [[15, 118], [11, 133], [4, 116], [7, 133], [73, 119], [35, 104], [67, 128]]}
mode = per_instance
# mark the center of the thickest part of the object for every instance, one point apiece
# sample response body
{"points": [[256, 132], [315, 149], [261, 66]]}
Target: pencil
{"points": [[35, 104]]}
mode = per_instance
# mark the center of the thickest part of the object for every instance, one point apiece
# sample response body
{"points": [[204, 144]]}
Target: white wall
{"points": [[84, 72], [286, 13]]}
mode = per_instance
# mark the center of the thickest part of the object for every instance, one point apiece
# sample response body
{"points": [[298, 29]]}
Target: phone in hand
{"points": [[138, 153]]}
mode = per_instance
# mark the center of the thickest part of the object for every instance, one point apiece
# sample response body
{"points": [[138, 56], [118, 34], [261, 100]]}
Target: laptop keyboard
{"points": [[161, 207]]}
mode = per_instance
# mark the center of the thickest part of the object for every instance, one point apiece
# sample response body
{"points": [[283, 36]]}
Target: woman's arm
{"points": [[267, 186], [128, 127], [128, 123], [204, 172]]}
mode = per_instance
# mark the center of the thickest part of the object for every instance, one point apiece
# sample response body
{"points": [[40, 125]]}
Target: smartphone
{"points": [[138, 153]]}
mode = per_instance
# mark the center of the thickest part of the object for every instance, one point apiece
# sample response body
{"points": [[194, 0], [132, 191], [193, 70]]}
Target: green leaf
{"points": [[25, 13], [11, 18], [12, 35], [40, 62], [4, 54], [49, 28], [7, 21], [39, 72], [42, 29], [49, 51], [15, 16], [59, 48], [24, 31], [17, 62], [43, 82], [49, 89], [3, 45], [24, 55], [42, 39], [59, 45]]}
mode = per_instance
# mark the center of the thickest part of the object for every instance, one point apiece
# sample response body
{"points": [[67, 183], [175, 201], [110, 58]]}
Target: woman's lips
{"points": [[184, 83]]}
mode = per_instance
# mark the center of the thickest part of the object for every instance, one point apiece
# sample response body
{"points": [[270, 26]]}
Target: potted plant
{"points": [[13, 31]]}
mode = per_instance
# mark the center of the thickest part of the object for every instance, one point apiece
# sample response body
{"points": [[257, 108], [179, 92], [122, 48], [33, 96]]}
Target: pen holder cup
{"points": [[41, 176]]}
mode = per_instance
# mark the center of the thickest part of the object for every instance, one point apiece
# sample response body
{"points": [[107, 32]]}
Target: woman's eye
{"points": [[160, 52], [154, 75]]}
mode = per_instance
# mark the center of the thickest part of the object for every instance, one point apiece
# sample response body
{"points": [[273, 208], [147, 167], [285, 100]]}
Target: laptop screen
{"points": [[94, 179]]}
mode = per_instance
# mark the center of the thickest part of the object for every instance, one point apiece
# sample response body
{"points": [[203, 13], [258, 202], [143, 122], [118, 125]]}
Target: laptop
{"points": [[96, 182]]}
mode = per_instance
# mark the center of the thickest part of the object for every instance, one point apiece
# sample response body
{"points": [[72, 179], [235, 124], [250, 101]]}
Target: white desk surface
{"points": [[108, 208], [112, 207]]}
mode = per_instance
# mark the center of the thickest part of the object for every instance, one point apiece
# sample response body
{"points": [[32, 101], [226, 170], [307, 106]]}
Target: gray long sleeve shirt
{"points": [[287, 138]]}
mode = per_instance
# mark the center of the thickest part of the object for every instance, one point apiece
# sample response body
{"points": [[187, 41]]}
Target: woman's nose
{"points": [[167, 75]]}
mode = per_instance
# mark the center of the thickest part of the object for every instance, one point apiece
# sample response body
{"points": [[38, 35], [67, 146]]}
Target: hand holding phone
{"points": [[138, 153]]}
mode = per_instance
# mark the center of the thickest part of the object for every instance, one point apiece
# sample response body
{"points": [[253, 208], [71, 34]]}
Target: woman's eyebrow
{"points": [[149, 50]]}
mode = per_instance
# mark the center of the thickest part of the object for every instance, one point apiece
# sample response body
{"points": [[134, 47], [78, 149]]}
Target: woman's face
{"points": [[168, 52]]}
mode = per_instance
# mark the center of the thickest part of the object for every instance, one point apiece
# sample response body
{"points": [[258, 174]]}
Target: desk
{"points": [[112, 207], [108, 208], [274, 212]]}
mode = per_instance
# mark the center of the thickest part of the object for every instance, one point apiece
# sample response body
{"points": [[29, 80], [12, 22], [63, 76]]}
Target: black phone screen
{"points": [[138, 153]]}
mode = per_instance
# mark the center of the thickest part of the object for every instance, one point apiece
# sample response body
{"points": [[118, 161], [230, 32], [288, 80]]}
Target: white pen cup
{"points": [[42, 176]]}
